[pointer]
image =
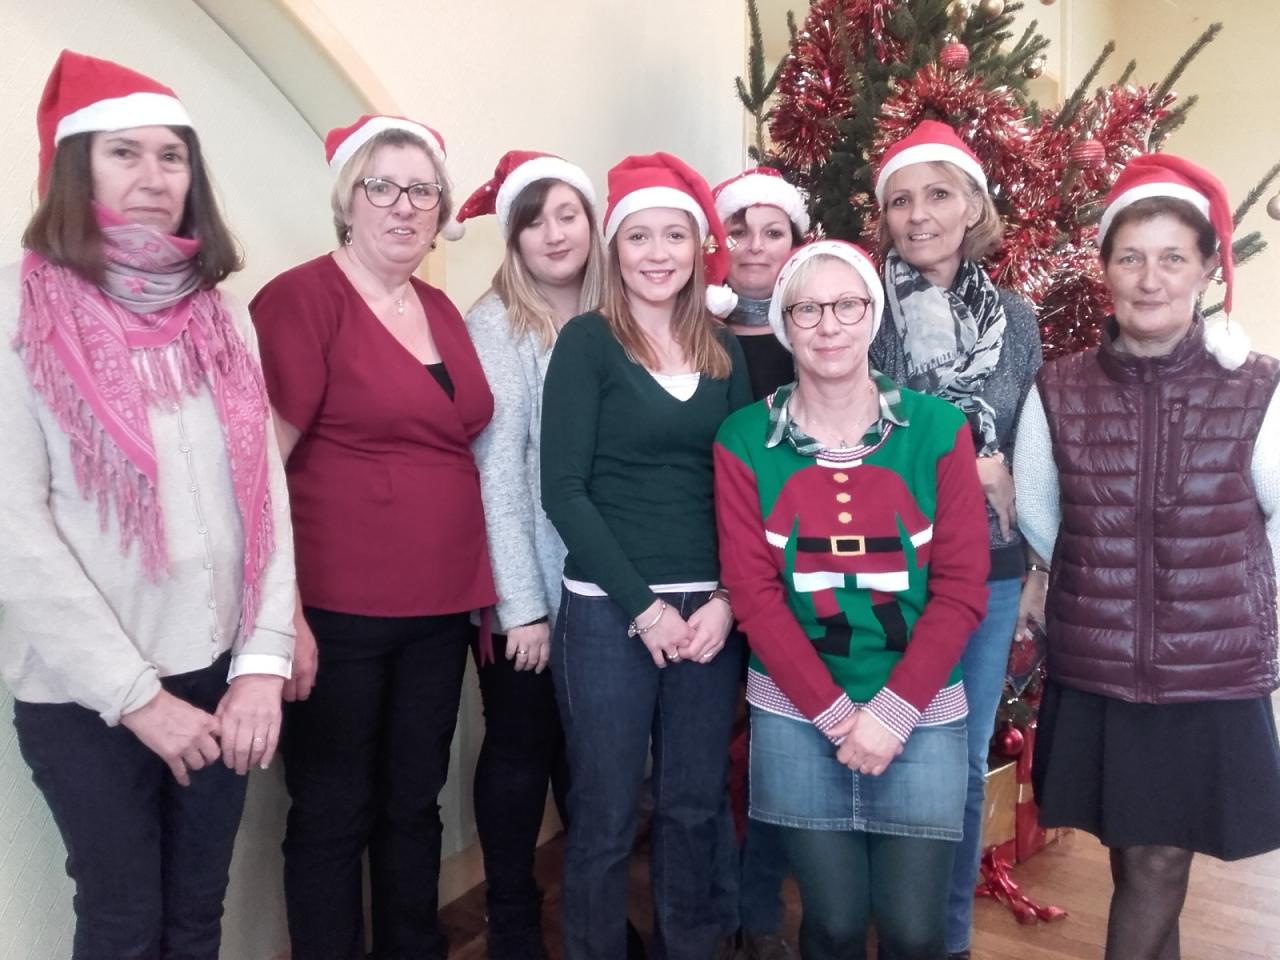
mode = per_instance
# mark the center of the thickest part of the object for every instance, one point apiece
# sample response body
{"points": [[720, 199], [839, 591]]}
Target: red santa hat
{"points": [[851, 254], [662, 180], [930, 142], [761, 187], [516, 170], [341, 143], [1166, 175], [87, 95]]}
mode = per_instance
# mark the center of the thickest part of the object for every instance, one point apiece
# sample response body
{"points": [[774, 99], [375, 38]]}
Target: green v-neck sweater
{"points": [[627, 477]]}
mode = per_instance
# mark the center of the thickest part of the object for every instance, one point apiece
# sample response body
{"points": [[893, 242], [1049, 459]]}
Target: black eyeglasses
{"points": [[807, 314], [386, 193]]}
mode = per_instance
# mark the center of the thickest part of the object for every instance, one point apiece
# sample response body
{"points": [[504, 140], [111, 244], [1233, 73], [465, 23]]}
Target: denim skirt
{"points": [[796, 781]]}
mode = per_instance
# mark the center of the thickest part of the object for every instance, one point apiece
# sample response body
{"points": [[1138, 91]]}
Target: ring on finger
{"points": [[258, 741]]}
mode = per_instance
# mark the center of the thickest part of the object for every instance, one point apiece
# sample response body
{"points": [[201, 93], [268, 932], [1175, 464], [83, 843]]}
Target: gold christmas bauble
{"points": [[1033, 67], [1273, 207], [991, 8], [960, 11]]}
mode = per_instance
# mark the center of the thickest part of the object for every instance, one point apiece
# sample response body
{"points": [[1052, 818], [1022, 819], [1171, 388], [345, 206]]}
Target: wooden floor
{"points": [[1233, 910]]}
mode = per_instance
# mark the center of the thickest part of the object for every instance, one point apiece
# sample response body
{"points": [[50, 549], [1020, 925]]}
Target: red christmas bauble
{"points": [[1087, 154], [1010, 741], [954, 55]]}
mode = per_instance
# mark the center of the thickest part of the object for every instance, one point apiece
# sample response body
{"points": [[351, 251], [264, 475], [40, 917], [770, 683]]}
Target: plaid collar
{"points": [[782, 427]]}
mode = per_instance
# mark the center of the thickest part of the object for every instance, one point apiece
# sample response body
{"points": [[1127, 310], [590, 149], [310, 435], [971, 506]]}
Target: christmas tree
{"points": [[860, 74]]}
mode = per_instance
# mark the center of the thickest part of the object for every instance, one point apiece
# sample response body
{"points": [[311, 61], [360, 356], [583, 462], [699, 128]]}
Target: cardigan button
{"points": [[843, 497], [844, 516], [840, 477]]}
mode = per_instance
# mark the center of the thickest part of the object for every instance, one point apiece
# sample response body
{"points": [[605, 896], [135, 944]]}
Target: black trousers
{"points": [[523, 751], [365, 759], [149, 857]]}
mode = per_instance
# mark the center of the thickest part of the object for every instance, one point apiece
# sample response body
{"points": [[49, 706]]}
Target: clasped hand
{"points": [[243, 730]]}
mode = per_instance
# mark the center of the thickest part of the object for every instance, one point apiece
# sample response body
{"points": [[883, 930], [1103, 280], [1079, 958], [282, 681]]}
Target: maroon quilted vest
{"points": [[1163, 588]]}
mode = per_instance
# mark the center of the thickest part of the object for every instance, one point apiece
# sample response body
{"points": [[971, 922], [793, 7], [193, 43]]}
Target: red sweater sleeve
{"points": [[749, 569], [959, 562]]}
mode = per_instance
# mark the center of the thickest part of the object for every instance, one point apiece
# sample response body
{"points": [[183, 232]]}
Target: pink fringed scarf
{"points": [[101, 356]]}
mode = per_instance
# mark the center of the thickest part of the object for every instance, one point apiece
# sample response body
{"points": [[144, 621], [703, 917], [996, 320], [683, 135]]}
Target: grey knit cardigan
{"points": [[527, 553]]}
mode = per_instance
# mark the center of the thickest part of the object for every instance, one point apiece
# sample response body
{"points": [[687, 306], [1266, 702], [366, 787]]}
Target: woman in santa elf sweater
{"points": [[949, 331], [641, 651], [852, 536]]}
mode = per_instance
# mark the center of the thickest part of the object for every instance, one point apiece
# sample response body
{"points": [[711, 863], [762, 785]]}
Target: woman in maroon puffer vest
{"points": [[1150, 470]]}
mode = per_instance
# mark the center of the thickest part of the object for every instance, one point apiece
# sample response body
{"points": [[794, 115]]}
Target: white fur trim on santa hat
{"points": [[122, 113], [720, 300], [929, 153], [646, 198], [377, 125], [763, 190], [1142, 191], [841, 251], [1227, 343], [531, 171]]}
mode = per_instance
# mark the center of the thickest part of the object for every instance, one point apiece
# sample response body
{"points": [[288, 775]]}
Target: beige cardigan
{"points": [[79, 621]]}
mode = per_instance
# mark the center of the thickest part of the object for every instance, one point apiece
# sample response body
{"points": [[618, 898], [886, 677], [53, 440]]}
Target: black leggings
{"points": [[847, 877], [523, 750]]}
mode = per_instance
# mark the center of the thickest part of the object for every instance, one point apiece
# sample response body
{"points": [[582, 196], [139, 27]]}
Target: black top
{"points": [[441, 374], [769, 363]]}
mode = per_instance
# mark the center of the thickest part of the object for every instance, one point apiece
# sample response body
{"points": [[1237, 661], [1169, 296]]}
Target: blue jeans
{"points": [[985, 661], [149, 857], [749, 875], [613, 701]]}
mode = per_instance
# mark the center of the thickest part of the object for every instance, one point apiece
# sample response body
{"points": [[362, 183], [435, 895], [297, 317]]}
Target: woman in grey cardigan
{"points": [[950, 331], [552, 271]]}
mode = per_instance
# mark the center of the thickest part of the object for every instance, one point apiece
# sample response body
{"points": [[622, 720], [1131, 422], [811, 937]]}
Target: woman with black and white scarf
{"points": [[949, 331]]}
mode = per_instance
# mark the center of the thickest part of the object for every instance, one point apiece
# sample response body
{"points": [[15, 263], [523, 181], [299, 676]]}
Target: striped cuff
{"points": [[831, 716], [898, 716]]}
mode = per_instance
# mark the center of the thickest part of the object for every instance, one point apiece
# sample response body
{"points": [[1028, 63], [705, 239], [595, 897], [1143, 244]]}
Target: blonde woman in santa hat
{"points": [[1150, 473], [950, 331], [146, 565], [552, 270], [852, 534], [378, 395], [641, 650]]}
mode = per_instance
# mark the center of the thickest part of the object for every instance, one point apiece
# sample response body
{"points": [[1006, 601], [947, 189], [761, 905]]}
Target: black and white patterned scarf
{"points": [[951, 338]]}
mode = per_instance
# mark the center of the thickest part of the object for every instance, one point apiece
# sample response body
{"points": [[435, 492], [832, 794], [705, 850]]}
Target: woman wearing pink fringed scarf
{"points": [[146, 560]]}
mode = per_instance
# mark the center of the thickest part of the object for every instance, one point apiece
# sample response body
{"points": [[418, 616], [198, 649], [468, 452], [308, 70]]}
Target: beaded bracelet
{"points": [[635, 630]]}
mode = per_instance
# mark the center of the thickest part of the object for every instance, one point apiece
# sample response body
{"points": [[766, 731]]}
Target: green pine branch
{"points": [[1255, 194], [1193, 51], [1072, 107]]}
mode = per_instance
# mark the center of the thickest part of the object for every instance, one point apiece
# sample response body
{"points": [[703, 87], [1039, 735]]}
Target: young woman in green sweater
{"points": [[632, 400]]}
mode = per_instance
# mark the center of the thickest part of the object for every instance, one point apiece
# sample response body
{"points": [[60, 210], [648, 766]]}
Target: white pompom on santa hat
{"points": [[850, 253], [663, 180], [930, 142], [761, 187], [341, 143], [1167, 175], [87, 95], [516, 170]]}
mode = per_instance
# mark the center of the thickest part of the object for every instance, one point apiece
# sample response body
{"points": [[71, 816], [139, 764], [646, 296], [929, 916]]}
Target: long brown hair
{"points": [[64, 230], [527, 309], [692, 325]]}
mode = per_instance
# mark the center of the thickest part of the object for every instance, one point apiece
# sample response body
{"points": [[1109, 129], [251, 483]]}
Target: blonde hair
{"points": [[692, 324], [981, 239], [528, 311], [353, 171]]}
